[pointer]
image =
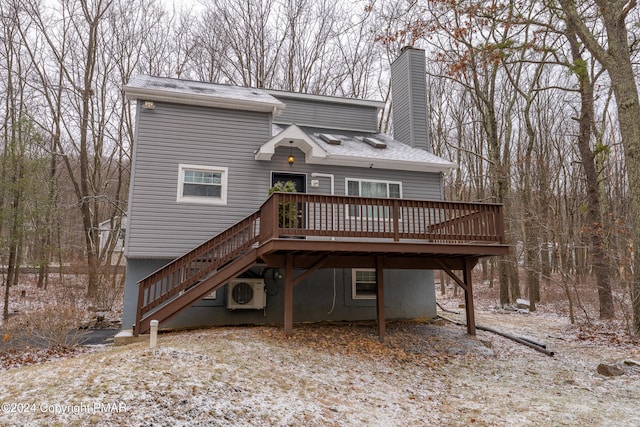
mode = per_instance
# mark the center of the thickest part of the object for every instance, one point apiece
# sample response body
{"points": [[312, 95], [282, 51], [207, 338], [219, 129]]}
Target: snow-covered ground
{"points": [[337, 374]]}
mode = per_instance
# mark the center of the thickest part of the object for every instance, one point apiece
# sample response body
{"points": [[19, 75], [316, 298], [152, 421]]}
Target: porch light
{"points": [[291, 159]]}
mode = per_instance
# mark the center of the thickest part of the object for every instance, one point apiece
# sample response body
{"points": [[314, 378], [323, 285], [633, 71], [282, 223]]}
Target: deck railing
{"points": [[297, 214], [338, 217]]}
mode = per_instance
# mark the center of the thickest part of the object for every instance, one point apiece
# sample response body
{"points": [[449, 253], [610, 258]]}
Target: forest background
{"points": [[537, 102]]}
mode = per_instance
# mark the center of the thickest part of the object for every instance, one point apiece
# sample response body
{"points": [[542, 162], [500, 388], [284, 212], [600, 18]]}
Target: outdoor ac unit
{"points": [[246, 294]]}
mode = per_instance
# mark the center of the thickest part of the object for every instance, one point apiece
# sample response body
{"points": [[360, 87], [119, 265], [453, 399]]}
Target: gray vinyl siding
{"points": [[408, 93], [169, 135], [415, 185], [327, 115], [161, 229], [325, 295], [174, 134]]}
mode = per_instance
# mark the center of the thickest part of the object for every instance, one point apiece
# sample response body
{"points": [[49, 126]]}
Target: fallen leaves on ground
{"points": [[29, 356], [338, 374]]}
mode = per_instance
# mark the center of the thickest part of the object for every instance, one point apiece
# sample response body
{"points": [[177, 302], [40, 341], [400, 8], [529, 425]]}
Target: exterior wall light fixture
{"points": [[291, 159]]}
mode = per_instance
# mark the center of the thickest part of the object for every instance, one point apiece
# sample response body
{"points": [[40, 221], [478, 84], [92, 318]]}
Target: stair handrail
{"points": [[185, 271]]}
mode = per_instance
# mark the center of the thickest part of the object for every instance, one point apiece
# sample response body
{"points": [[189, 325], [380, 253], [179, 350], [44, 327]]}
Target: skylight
{"points": [[330, 139], [375, 143]]}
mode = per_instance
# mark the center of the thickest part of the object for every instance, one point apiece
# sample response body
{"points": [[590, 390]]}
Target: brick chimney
{"points": [[409, 98]]}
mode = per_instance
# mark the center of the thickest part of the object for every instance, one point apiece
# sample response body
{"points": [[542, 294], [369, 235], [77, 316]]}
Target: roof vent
{"points": [[330, 139], [375, 143]]}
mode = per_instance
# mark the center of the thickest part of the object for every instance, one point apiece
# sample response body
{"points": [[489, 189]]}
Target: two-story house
{"points": [[207, 245]]}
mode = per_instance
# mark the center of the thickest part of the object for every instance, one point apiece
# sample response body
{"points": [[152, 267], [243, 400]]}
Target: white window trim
{"points": [[222, 200], [212, 295], [354, 294]]}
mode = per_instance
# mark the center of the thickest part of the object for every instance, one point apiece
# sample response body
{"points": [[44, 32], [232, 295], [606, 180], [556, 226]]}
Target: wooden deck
{"points": [[303, 231]]}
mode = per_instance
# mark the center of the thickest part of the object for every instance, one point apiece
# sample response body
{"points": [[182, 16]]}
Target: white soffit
{"points": [[393, 164], [292, 136]]}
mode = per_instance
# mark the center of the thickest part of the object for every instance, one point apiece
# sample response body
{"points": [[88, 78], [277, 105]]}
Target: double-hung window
{"points": [[202, 184], [363, 283], [372, 188]]}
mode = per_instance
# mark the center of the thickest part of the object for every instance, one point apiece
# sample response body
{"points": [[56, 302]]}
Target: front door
{"points": [[300, 182], [299, 179]]}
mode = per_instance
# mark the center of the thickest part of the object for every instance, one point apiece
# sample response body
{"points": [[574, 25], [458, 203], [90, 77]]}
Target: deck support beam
{"points": [[311, 270], [288, 295], [380, 297], [466, 284]]}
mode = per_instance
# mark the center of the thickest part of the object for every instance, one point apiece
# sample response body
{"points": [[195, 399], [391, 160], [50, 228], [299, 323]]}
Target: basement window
{"points": [[195, 267], [202, 184], [363, 283], [212, 295]]}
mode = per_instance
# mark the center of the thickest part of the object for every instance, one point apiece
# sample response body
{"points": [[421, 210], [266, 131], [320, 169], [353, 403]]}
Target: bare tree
{"points": [[254, 33], [74, 74], [14, 151], [615, 57], [24, 184], [595, 215], [209, 51], [472, 46]]}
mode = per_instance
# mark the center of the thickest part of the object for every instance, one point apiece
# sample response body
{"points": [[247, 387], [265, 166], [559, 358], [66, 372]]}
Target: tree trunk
{"points": [[616, 59], [485, 272], [626, 93], [500, 178], [514, 280], [5, 309], [598, 254]]}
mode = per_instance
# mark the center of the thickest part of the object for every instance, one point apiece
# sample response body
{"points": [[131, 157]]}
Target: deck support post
{"points": [[380, 297], [468, 297], [288, 295], [467, 286]]}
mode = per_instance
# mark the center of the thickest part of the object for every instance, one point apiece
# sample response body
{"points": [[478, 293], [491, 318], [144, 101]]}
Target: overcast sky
{"points": [[182, 3]]}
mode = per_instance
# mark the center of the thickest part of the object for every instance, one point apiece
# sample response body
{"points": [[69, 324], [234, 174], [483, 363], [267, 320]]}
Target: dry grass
{"points": [[340, 374]]}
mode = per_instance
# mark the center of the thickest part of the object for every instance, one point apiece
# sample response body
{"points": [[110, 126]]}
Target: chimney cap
{"points": [[408, 47]]}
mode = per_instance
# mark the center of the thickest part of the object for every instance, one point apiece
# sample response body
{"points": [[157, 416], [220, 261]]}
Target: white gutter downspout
{"points": [[332, 178]]}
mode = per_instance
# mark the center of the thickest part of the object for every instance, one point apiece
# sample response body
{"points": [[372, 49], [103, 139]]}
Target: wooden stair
{"points": [[197, 273]]}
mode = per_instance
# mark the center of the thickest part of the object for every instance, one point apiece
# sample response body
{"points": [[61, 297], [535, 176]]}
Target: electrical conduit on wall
{"points": [[332, 178]]}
